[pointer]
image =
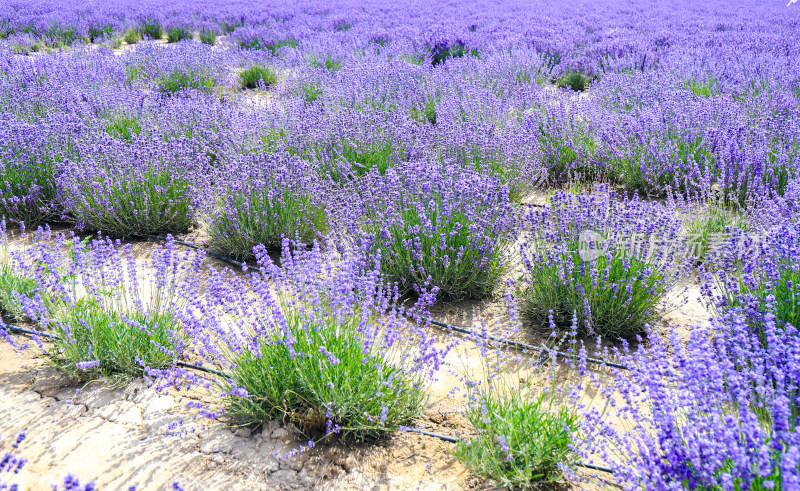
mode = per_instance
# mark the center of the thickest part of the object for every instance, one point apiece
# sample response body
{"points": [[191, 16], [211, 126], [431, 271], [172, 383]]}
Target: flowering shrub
{"points": [[448, 231], [135, 200], [95, 340], [178, 33], [521, 440], [274, 202], [751, 271], [29, 168], [257, 77], [610, 261], [720, 413], [151, 29], [111, 316], [14, 285], [319, 347], [180, 80]]}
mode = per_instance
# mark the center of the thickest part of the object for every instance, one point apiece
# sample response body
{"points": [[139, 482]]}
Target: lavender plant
{"points": [[209, 35], [257, 76], [319, 348], [522, 438], [178, 33], [180, 80], [448, 230], [607, 260], [14, 285], [754, 269], [275, 202], [132, 36], [719, 413], [151, 29], [148, 200], [114, 318]]}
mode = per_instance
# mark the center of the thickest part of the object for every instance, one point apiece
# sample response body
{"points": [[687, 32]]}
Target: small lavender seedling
{"points": [[708, 227], [574, 81]]}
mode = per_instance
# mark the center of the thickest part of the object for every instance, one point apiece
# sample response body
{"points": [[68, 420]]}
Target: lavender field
{"points": [[399, 245]]}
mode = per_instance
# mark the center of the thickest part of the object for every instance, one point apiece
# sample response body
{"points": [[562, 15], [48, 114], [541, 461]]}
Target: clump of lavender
{"points": [[440, 227], [719, 413], [271, 199], [113, 315], [710, 226], [178, 32], [183, 80], [257, 76], [29, 167], [317, 346], [607, 259], [124, 199], [14, 284], [523, 412], [753, 268]]}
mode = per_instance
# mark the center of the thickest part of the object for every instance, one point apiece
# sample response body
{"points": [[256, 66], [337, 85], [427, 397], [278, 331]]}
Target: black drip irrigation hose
{"points": [[434, 322], [201, 368], [191, 366], [29, 332], [516, 344]]}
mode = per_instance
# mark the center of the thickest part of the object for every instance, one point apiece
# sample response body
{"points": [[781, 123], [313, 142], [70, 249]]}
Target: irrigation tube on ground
{"points": [[434, 322], [31, 332]]}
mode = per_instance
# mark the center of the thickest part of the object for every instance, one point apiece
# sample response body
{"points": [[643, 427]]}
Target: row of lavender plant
{"points": [[91, 294]]}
